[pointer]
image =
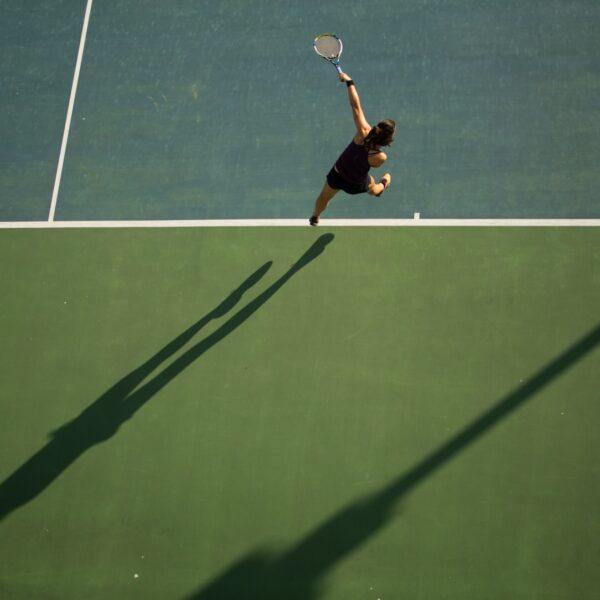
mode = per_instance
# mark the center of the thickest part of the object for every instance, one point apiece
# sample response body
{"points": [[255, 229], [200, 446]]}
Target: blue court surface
{"points": [[221, 110]]}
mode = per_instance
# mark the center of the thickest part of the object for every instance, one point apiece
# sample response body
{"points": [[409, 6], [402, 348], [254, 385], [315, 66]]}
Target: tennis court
{"points": [[204, 398]]}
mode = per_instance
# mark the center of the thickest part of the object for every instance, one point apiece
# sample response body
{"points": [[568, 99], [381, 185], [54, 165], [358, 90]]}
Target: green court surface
{"points": [[345, 414]]}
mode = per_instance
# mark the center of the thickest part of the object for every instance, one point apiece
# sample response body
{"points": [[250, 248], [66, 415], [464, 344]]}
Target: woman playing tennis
{"points": [[351, 170]]}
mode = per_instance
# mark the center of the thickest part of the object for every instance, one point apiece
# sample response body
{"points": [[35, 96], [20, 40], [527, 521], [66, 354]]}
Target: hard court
{"points": [[204, 398]]}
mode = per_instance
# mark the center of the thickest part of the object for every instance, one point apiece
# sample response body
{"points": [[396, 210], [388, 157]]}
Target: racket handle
{"points": [[338, 69]]}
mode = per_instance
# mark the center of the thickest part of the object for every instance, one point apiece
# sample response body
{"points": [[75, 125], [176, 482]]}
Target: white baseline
{"points": [[324, 223]]}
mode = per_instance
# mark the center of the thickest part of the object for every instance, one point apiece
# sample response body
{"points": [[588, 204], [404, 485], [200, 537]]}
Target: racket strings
{"points": [[328, 46]]}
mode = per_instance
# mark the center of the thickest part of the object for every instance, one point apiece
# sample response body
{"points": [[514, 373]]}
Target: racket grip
{"points": [[338, 69]]}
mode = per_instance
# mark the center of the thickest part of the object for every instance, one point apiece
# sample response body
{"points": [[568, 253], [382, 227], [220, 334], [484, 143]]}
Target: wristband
{"points": [[349, 83]]}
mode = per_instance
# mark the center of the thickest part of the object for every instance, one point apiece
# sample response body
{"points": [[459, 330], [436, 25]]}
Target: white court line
{"points": [[302, 223], [63, 147]]}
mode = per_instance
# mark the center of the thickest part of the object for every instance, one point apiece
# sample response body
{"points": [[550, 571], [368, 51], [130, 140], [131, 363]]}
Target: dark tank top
{"points": [[353, 163]]}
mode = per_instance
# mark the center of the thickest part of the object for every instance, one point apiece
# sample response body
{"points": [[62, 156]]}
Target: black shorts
{"points": [[337, 182]]}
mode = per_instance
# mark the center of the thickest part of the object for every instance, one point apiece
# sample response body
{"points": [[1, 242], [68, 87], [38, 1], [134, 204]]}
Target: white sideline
{"points": [[63, 147], [303, 223]]}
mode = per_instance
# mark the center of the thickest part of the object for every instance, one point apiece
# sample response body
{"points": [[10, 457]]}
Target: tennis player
{"points": [[351, 170]]}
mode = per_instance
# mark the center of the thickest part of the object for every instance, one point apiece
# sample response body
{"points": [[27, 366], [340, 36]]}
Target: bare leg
{"points": [[376, 189], [327, 193]]}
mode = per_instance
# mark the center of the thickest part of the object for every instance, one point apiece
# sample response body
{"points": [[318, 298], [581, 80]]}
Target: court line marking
{"points": [[63, 147], [302, 223]]}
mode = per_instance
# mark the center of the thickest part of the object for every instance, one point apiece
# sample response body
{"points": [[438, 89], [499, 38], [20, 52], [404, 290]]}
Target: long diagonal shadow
{"points": [[299, 573], [102, 419]]}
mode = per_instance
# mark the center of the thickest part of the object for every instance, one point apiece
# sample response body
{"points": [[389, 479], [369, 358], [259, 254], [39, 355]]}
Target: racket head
{"points": [[329, 46]]}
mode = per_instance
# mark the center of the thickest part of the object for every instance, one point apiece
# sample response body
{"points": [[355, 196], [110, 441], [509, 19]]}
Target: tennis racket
{"points": [[329, 46]]}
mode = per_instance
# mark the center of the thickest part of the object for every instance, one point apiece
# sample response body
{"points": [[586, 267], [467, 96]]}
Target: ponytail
{"points": [[381, 135]]}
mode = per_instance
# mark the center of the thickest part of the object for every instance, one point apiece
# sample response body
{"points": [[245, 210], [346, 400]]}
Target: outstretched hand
{"points": [[345, 77]]}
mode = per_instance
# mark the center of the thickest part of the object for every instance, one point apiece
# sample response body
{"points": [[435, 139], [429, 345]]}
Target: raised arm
{"points": [[362, 126]]}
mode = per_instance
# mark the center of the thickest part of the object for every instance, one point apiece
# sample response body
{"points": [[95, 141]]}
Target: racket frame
{"points": [[334, 61]]}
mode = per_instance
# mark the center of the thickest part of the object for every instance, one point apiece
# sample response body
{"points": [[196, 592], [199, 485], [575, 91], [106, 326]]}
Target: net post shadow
{"points": [[299, 573]]}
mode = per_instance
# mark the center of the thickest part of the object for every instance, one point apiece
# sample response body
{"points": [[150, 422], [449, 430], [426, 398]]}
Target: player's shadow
{"points": [[300, 572], [102, 419]]}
